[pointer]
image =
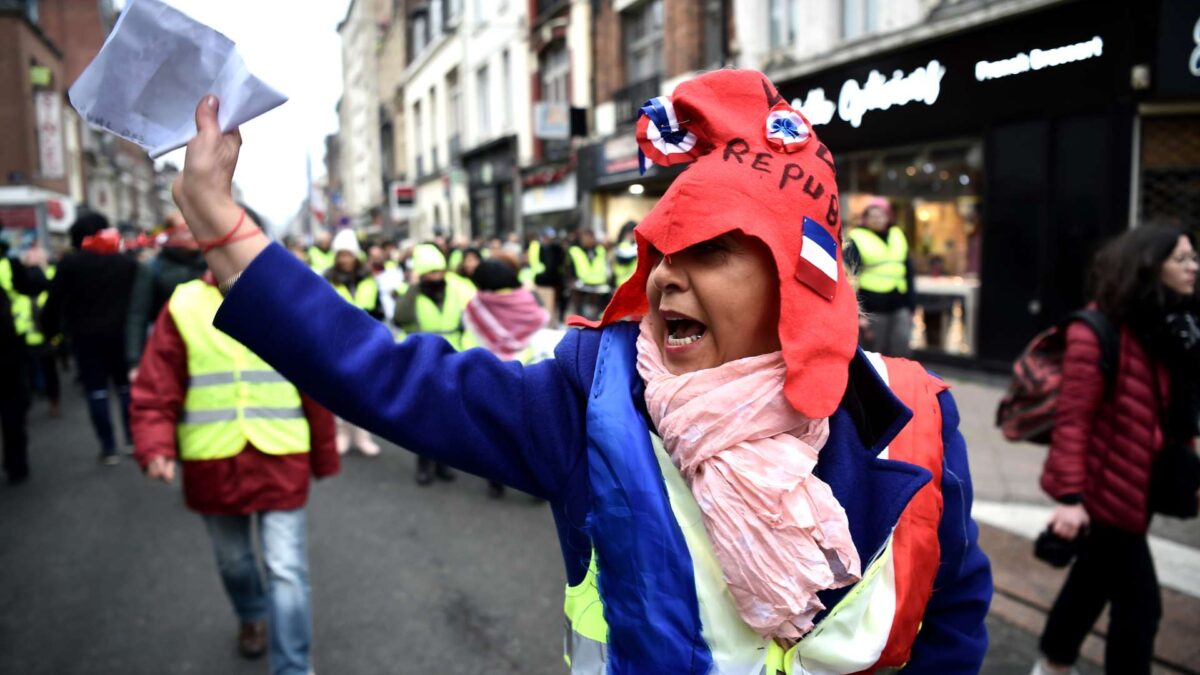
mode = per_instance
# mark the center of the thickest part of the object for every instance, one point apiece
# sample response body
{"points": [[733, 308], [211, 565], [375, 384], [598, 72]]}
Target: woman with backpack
{"points": [[1122, 445]]}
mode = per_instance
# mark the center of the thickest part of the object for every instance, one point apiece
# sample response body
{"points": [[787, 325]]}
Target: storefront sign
{"points": [[49, 133], [922, 85], [1047, 62], [551, 120], [1037, 59], [551, 197], [1177, 67]]}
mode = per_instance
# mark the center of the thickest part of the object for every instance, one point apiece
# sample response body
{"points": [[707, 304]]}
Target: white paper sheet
{"points": [[154, 68]]}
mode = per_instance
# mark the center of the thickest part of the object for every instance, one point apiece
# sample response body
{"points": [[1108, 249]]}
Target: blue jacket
{"points": [[528, 427]]}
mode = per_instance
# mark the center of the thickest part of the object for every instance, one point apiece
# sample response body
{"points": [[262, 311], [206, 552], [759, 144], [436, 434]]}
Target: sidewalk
{"points": [[1011, 509]]}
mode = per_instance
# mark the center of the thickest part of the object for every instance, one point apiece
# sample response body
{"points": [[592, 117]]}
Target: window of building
{"points": [[555, 71], [714, 33], [436, 16], [420, 35], [782, 23], [433, 135], [483, 100], [418, 138], [1169, 189], [506, 90], [859, 18], [454, 101], [642, 30]]}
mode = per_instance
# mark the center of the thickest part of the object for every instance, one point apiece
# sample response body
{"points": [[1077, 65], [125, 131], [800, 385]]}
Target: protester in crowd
{"points": [[320, 256], [24, 282], [246, 440], [352, 280], [502, 318], [468, 260], [735, 383], [178, 261], [434, 305], [14, 393], [548, 272], [389, 277], [1110, 438], [878, 254], [589, 275], [89, 299], [624, 256]]}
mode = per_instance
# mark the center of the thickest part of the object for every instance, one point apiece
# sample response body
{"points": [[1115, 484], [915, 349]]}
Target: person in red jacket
{"points": [[1107, 436], [228, 478]]}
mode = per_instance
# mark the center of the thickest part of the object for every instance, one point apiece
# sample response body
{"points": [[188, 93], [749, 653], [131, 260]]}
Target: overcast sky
{"points": [[293, 45]]}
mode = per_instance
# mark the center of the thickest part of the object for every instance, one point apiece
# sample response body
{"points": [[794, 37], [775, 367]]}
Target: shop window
{"points": [[934, 192], [1170, 170]]}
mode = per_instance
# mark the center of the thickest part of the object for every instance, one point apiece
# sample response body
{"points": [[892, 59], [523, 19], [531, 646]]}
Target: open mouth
{"points": [[683, 330]]}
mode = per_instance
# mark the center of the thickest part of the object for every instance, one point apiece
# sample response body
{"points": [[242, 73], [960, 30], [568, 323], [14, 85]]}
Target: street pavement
{"points": [[105, 572]]}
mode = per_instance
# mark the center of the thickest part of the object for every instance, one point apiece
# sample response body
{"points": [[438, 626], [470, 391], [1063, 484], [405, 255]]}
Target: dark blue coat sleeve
{"points": [[953, 638], [522, 426]]}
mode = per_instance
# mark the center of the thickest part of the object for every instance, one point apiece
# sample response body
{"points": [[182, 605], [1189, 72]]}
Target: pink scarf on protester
{"points": [[748, 456], [505, 322]]}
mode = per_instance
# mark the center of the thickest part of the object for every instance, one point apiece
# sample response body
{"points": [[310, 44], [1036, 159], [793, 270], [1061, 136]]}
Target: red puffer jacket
{"points": [[1103, 446]]}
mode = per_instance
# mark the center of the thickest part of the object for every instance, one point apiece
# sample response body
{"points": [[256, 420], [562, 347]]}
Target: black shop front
{"points": [[1005, 151]]}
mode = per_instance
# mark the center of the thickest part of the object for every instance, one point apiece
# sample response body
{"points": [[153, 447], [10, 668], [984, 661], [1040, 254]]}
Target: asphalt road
{"points": [[104, 572]]}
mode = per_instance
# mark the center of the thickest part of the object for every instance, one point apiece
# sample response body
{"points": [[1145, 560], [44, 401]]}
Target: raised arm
{"points": [[519, 426]]}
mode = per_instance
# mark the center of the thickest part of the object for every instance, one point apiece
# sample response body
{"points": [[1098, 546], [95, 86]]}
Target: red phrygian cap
{"points": [[756, 167]]}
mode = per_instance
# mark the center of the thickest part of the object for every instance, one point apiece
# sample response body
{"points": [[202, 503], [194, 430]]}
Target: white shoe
{"points": [[365, 444], [342, 439], [1040, 668]]}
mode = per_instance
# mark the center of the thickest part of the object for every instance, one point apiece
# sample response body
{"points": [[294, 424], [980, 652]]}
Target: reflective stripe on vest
{"points": [[366, 294], [871, 629], [590, 271], [233, 397], [883, 269]]}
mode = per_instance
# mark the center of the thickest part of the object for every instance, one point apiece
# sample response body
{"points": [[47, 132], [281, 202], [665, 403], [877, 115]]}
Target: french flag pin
{"points": [[787, 130], [818, 268]]}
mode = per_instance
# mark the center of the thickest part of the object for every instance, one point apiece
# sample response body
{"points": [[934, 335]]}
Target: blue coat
{"points": [[527, 427]]}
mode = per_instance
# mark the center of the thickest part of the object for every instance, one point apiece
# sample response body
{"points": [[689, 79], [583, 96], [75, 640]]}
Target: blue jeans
{"points": [[285, 601]]}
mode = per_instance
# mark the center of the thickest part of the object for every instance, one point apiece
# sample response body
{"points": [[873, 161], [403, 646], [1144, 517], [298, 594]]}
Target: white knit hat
{"points": [[346, 241]]}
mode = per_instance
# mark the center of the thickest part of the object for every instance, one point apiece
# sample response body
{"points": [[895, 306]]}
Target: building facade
{"points": [[360, 166]]}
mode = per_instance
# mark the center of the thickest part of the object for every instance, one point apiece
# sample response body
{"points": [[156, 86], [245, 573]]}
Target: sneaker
{"points": [[443, 472], [1040, 668], [110, 460], [252, 639]]}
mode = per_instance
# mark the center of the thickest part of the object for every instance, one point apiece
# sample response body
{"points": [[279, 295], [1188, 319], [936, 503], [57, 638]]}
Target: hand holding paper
{"points": [[155, 65]]}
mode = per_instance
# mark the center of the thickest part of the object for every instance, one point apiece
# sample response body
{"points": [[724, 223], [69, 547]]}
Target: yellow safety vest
{"points": [[320, 260], [34, 337], [883, 263], [593, 271], [447, 319], [534, 254], [366, 294], [21, 305], [624, 271], [233, 396]]}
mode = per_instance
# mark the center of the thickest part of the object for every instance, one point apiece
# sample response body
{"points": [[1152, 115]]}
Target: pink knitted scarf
{"points": [[777, 530]]}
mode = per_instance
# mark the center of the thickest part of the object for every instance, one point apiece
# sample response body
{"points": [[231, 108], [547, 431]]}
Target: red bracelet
{"points": [[206, 246]]}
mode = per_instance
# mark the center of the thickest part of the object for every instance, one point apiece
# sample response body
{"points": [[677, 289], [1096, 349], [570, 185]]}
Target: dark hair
{"points": [[495, 275], [85, 226], [1126, 273]]}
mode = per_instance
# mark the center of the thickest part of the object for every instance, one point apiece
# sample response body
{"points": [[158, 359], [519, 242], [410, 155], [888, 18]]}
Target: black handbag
{"points": [[1054, 550], [1174, 481]]}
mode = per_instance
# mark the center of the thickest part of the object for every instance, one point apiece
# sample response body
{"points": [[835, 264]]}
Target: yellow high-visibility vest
{"points": [[447, 319], [34, 337], [883, 263], [534, 254], [366, 294], [21, 305], [233, 396], [319, 260], [593, 271]]}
